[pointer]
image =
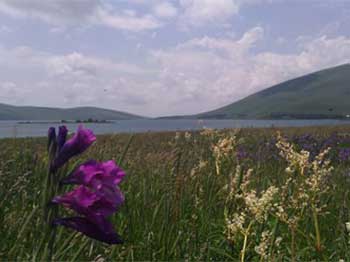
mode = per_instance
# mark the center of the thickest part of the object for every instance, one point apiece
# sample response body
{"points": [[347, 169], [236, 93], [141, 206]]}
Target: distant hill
{"points": [[8, 112], [324, 94]]}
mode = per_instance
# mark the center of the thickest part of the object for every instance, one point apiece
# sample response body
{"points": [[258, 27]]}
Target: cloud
{"points": [[126, 21], [207, 73], [8, 90], [5, 29], [79, 12], [196, 75], [201, 12], [67, 80], [165, 10], [152, 15]]}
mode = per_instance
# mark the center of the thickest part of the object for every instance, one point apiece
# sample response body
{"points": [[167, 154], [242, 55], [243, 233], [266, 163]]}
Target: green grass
{"points": [[171, 212]]}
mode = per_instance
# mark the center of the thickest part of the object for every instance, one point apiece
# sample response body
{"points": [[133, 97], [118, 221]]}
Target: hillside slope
{"points": [[323, 94], [8, 112]]}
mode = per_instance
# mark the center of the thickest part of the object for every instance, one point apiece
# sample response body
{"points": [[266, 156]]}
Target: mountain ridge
{"points": [[11, 112], [321, 94]]}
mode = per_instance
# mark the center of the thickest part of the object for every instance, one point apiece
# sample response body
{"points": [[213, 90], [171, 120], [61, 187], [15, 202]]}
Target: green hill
{"points": [[323, 94], [8, 112]]}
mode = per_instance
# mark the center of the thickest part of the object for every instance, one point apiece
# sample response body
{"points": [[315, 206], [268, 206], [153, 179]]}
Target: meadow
{"points": [[231, 195]]}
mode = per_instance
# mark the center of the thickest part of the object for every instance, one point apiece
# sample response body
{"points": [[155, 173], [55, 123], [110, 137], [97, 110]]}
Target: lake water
{"points": [[15, 129]]}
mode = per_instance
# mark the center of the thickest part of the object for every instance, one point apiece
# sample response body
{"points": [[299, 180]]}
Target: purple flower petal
{"points": [[102, 178], [104, 173], [100, 229], [62, 136], [85, 202], [81, 140], [117, 174]]}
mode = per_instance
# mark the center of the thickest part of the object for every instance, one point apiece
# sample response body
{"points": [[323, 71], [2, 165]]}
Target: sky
{"points": [[157, 58]]}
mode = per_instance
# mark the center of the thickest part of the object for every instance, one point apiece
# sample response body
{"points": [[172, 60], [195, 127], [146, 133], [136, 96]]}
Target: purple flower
{"points": [[97, 196], [102, 178], [344, 154], [81, 140], [62, 136], [93, 173], [85, 202], [241, 154], [93, 210], [96, 227]]}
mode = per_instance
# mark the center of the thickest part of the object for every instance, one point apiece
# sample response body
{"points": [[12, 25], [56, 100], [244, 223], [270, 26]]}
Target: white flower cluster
{"points": [[263, 247], [347, 225], [235, 226], [260, 207]]}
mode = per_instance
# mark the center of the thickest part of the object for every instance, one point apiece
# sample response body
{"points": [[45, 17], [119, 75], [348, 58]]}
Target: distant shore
{"points": [[67, 122]]}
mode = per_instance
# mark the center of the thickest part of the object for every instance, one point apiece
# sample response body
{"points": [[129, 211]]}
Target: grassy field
{"points": [[207, 195]]}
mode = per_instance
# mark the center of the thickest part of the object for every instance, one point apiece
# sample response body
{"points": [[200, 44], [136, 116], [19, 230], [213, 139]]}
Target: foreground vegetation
{"points": [[249, 195]]}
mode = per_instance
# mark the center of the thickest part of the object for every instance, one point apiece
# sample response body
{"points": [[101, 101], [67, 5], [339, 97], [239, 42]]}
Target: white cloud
{"points": [[201, 12], [207, 73], [8, 90], [5, 29], [153, 15], [79, 12], [165, 10], [234, 49], [67, 80], [194, 76], [127, 21]]}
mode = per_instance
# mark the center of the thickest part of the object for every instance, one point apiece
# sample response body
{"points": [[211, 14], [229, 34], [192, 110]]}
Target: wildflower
{"points": [[344, 154], [347, 225], [93, 210], [235, 226], [222, 151], [92, 172], [241, 154], [224, 147], [207, 132], [261, 206], [62, 136], [278, 241], [97, 195], [188, 135], [263, 247], [85, 202], [102, 178], [81, 140], [98, 228], [296, 160]]}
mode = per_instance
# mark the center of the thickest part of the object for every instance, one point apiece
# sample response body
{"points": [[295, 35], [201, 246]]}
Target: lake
{"points": [[35, 129]]}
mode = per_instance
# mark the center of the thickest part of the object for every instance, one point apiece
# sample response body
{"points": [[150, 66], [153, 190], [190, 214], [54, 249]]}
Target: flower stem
{"points": [[52, 214], [317, 230], [51, 244], [273, 238], [245, 242], [293, 245]]}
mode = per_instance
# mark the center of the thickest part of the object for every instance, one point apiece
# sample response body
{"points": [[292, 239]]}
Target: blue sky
{"points": [[155, 58]]}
